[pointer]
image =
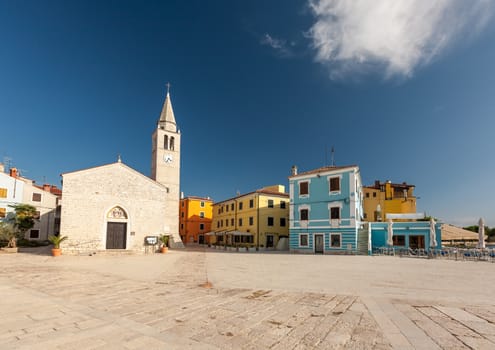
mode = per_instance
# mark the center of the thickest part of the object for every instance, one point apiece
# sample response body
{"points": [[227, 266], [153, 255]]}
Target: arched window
{"points": [[165, 142], [172, 139]]}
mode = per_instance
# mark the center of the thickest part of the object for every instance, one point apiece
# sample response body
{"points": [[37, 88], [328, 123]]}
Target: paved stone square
{"points": [[206, 299]]}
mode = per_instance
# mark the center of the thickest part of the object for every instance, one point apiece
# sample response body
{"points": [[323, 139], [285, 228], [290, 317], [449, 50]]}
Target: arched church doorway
{"points": [[116, 228]]}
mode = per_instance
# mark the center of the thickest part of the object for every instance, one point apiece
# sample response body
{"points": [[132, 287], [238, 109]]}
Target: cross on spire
{"points": [[168, 87]]}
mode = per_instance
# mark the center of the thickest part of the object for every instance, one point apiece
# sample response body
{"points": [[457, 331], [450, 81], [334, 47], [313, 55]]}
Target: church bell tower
{"points": [[165, 163]]}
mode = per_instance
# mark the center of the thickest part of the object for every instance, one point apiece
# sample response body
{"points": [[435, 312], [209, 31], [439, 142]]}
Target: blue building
{"points": [[406, 235], [326, 211]]}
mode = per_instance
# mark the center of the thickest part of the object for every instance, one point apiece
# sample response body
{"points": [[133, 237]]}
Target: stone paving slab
{"points": [[91, 303]]}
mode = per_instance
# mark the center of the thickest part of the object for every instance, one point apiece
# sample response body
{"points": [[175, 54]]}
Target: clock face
{"points": [[168, 158]]}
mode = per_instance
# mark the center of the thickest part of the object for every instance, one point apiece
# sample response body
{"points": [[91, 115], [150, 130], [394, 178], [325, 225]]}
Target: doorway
{"points": [[269, 241], [116, 235], [319, 244], [417, 242]]}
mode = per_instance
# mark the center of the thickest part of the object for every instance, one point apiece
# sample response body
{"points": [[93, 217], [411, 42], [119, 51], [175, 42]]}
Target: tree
{"points": [[23, 220], [9, 234], [473, 228], [490, 232]]}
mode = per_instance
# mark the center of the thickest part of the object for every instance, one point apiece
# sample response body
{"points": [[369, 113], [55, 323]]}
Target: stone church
{"points": [[114, 207]]}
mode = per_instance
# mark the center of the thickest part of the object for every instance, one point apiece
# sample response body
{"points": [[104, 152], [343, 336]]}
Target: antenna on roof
{"points": [[7, 161], [333, 156], [326, 156]]}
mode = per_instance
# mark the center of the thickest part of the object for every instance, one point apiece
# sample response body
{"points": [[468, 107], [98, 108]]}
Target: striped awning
{"points": [[239, 233], [213, 233]]}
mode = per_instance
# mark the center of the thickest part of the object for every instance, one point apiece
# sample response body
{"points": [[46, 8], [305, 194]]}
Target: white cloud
{"points": [[396, 36], [279, 45]]}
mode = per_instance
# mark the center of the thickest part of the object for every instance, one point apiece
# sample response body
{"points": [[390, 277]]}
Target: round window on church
{"points": [[117, 213]]}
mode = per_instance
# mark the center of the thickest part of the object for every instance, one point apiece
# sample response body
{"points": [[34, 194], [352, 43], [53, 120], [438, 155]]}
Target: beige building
{"points": [[115, 207], [258, 219]]}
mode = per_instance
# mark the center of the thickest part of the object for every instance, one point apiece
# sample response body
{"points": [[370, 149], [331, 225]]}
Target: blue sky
{"points": [[258, 86]]}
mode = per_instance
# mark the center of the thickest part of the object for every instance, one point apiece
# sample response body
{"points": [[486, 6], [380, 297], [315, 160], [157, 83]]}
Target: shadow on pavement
{"points": [[45, 250]]}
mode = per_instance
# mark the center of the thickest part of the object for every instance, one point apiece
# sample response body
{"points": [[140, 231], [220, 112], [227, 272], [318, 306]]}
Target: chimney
{"points": [[182, 195], [13, 172], [294, 170], [46, 187], [2, 168]]}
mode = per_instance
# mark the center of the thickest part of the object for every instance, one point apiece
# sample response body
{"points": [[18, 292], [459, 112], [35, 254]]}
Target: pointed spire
{"points": [[167, 118]]}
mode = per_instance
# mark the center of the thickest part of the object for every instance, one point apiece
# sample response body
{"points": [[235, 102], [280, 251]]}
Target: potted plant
{"points": [[56, 240], [11, 235], [164, 240]]}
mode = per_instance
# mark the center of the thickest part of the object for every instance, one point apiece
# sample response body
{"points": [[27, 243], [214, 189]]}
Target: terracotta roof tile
{"points": [[262, 191], [324, 169]]}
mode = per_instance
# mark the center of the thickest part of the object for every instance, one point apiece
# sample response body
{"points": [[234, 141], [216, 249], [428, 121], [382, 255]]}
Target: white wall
{"points": [[15, 189]]}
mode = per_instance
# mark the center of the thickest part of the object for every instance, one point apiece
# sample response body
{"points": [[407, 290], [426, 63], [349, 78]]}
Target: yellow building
{"points": [[388, 198], [195, 219], [256, 219]]}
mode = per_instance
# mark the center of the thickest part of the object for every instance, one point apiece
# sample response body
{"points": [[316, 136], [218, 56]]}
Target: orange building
{"points": [[195, 219]]}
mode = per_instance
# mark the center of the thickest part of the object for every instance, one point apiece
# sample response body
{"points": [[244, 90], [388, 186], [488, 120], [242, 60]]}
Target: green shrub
{"points": [[27, 243]]}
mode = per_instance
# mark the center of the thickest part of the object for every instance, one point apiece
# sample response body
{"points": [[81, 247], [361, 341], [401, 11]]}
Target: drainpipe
{"points": [[47, 224], [258, 223], [369, 239], [235, 221]]}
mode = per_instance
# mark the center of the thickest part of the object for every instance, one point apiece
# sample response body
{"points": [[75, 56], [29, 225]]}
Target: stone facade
{"points": [[114, 207], [91, 195], [165, 161]]}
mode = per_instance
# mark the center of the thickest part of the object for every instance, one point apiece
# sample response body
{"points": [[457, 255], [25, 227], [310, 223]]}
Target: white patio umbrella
{"points": [[390, 232], [433, 234], [481, 232]]}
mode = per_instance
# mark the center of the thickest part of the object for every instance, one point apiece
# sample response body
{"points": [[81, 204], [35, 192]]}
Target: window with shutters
{"points": [[303, 240], [335, 213], [334, 184], [304, 215], [34, 234], [335, 240], [304, 188]]}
